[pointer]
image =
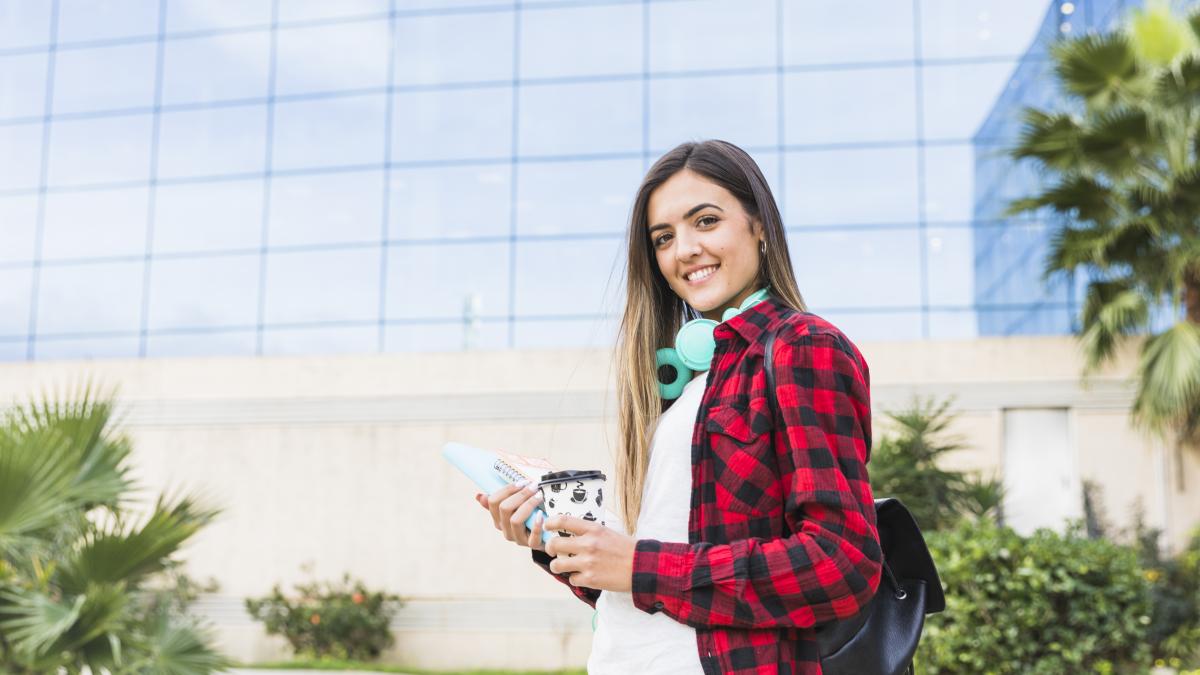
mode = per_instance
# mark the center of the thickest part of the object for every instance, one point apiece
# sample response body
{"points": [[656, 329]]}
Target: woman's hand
{"points": [[596, 557], [510, 507]]}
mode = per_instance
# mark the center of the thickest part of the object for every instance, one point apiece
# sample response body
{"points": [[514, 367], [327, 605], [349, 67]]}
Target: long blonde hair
{"points": [[654, 313]]}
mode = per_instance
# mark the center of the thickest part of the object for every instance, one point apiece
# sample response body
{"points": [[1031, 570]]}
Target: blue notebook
{"points": [[491, 470]]}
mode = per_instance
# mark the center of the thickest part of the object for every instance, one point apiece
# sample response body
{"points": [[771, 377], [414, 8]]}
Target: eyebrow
{"points": [[691, 212]]}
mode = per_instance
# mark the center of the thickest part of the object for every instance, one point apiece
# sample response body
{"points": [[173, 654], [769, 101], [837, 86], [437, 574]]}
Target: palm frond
{"points": [[180, 648], [35, 622], [1112, 310], [1169, 384], [128, 553], [35, 482], [1075, 196], [1180, 86], [1095, 66], [1051, 138], [1115, 140]]}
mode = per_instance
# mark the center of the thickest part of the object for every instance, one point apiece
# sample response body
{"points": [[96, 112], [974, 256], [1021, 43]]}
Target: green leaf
{"points": [[1159, 37], [1112, 310], [176, 648], [36, 622], [1116, 139], [35, 482], [1051, 138], [1169, 384], [1095, 67]]}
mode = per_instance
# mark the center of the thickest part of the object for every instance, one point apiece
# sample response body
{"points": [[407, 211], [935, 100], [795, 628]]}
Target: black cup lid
{"points": [[571, 474]]}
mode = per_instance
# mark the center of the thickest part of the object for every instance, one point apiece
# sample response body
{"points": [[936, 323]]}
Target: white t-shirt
{"points": [[628, 640]]}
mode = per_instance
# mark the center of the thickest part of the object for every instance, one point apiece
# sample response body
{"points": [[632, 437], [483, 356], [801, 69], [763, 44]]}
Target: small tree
{"points": [[77, 568], [904, 464], [1124, 164]]}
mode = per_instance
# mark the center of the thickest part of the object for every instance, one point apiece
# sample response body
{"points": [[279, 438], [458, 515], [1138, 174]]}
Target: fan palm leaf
{"points": [[1111, 311], [1096, 67], [1169, 383]]}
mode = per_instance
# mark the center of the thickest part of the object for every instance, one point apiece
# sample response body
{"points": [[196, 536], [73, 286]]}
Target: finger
{"points": [[570, 524], [482, 500], [565, 565], [561, 546], [535, 535], [517, 521], [513, 530], [496, 498]]}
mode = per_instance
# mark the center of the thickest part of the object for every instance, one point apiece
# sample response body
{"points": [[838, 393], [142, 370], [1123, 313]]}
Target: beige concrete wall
{"points": [[333, 462]]}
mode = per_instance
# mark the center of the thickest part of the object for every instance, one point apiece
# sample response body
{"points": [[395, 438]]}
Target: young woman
{"points": [[747, 529]]}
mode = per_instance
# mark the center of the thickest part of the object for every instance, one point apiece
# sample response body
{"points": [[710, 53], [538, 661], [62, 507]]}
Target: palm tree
{"points": [[1124, 164], [76, 564]]}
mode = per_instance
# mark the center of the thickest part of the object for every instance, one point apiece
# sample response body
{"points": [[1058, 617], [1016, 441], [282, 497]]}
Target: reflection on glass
{"points": [[576, 197], [556, 278], [329, 132], [22, 85], [332, 57], [208, 216], [954, 29], [950, 257], [333, 285], [712, 34], [452, 124], [80, 20], [850, 106], [950, 183], [216, 67], [452, 201], [212, 141], [25, 24], [21, 147], [959, 98], [18, 216], [83, 78], [830, 187], [192, 15], [89, 298], [741, 109], [429, 49], [589, 117], [835, 31], [326, 208], [203, 292], [95, 223], [302, 10], [434, 280], [101, 150], [16, 284], [840, 270], [576, 41]]}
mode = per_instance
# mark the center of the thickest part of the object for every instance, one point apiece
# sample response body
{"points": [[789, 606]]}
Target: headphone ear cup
{"points": [[667, 356]]}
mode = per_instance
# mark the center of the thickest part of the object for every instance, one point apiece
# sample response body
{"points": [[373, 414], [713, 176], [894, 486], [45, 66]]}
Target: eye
{"points": [[658, 241], [707, 219]]}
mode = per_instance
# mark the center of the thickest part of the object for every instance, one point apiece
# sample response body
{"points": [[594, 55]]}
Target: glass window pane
{"points": [[13, 349], [326, 208], [585, 117], [851, 106], [956, 325], [1033, 320], [332, 58], [21, 147], [959, 98], [428, 280], [446, 337], [212, 141], [452, 201], [556, 278], [836, 31], [950, 183], [408, 5], [24, 23], [92, 297], [101, 150], [829, 187], [55, 348], [956, 29], [578, 41], [320, 340], [741, 109], [216, 67], [429, 48], [22, 85], [453, 124], [300, 10], [84, 81], [101, 19], [208, 216], [95, 223], [863, 327], [577, 197], [16, 285], [329, 132], [950, 255], [712, 34], [204, 292], [205, 343], [18, 222], [338, 285], [189, 15], [857, 269], [596, 333]]}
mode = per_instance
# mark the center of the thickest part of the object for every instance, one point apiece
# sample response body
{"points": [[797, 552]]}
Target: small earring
{"points": [[762, 246]]}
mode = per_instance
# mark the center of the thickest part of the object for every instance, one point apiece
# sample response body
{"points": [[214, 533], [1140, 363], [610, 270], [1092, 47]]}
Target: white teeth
{"points": [[701, 274]]}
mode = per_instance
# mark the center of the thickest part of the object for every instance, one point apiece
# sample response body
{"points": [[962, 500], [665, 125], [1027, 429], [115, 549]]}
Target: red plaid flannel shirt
{"points": [[781, 533]]}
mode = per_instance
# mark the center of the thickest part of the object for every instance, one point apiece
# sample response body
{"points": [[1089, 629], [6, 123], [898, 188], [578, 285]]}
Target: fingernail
{"points": [[537, 497], [522, 483]]}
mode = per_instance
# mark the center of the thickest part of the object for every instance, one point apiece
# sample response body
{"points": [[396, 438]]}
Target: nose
{"points": [[687, 245]]}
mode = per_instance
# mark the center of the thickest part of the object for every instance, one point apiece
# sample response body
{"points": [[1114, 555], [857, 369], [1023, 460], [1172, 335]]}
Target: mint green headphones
{"points": [[694, 347]]}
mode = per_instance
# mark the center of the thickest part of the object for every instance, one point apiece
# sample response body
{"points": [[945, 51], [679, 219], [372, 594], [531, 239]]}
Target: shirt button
{"points": [[658, 606]]}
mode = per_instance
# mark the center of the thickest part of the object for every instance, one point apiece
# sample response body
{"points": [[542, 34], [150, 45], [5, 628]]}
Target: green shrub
{"points": [[1174, 633], [1045, 604], [340, 620]]}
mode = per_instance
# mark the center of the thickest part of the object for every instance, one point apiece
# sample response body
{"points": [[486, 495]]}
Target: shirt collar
{"points": [[751, 323]]}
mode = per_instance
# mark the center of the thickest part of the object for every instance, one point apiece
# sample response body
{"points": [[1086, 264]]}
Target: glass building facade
{"points": [[220, 177]]}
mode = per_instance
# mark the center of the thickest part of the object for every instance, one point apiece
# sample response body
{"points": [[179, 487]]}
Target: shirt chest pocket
{"points": [[744, 463]]}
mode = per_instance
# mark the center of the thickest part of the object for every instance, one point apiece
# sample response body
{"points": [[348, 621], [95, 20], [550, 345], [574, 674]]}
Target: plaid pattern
{"points": [[782, 533]]}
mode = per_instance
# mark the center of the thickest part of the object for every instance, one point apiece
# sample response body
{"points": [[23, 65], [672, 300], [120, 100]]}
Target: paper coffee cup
{"points": [[574, 493]]}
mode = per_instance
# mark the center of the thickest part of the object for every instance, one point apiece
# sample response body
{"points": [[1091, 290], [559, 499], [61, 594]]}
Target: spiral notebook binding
{"points": [[510, 473]]}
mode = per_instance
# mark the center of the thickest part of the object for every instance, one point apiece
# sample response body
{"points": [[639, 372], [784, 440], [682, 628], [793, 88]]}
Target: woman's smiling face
{"points": [[704, 243]]}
